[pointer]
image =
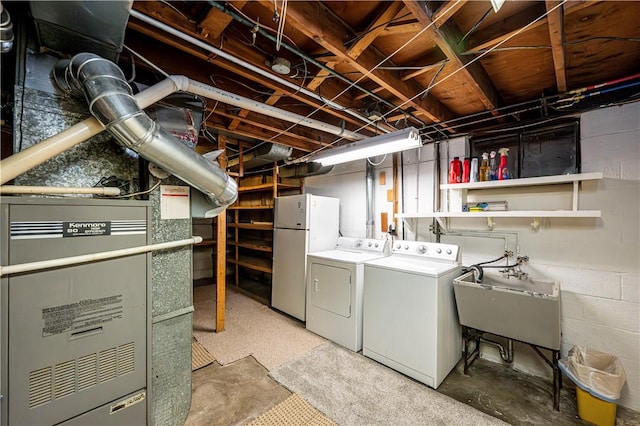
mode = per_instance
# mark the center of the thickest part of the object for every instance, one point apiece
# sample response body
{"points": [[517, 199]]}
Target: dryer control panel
{"points": [[363, 245], [426, 250]]}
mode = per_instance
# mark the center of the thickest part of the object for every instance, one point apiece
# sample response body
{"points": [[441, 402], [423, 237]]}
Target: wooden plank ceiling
{"points": [[445, 67]]}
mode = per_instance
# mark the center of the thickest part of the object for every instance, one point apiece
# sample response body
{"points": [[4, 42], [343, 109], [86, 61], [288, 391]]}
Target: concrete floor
{"points": [[237, 393]]}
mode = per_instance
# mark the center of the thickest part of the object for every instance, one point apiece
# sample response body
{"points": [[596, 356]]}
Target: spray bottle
{"points": [[503, 171], [493, 166], [455, 170], [474, 170], [484, 167]]}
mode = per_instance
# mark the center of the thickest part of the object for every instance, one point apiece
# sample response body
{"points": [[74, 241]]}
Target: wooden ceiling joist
{"points": [[447, 38], [216, 21], [556, 35], [317, 22], [446, 11]]}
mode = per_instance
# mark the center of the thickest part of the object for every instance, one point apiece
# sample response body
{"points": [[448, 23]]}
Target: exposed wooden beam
{"points": [[510, 26], [317, 22], [365, 95], [258, 134], [432, 59], [216, 21], [402, 28], [374, 29], [446, 11], [266, 124], [556, 34], [447, 38]]}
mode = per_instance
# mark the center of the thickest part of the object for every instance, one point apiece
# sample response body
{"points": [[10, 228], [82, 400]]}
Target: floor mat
{"points": [[293, 411], [251, 328], [354, 390], [200, 356]]}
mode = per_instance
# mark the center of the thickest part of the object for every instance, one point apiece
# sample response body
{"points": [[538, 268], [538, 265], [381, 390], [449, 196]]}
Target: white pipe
{"points": [[17, 189], [86, 258], [216, 94], [27, 159], [247, 65]]}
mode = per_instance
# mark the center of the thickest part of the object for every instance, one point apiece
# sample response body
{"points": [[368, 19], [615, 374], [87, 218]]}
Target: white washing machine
{"points": [[410, 320], [334, 289]]}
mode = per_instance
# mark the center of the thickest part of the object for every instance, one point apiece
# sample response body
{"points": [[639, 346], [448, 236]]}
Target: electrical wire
{"points": [[133, 194], [178, 11], [610, 38], [431, 83], [378, 163], [146, 61], [476, 25], [364, 33]]}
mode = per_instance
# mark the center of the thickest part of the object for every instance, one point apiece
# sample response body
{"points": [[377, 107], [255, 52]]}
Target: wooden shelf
{"points": [[250, 208], [266, 186], [256, 263], [259, 245], [256, 226], [205, 243]]}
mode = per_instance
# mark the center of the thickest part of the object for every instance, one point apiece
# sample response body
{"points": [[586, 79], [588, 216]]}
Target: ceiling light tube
{"points": [[379, 145]]}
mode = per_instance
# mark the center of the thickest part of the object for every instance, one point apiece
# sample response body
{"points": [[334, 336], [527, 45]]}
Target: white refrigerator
{"points": [[302, 224]]}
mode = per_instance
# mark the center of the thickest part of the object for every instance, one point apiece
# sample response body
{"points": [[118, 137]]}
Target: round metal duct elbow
{"points": [[112, 103]]}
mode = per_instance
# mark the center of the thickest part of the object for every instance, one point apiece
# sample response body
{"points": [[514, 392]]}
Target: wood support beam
{"points": [[447, 38], [221, 251], [317, 22], [556, 35], [257, 134], [216, 21], [446, 11]]}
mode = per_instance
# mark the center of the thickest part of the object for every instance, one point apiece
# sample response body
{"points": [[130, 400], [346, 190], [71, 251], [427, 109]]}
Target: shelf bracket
{"points": [[490, 223], [443, 222], [535, 224]]}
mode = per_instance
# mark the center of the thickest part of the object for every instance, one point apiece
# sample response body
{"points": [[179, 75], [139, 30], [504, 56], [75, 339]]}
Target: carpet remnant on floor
{"points": [[293, 411], [200, 356], [354, 390], [251, 328]]}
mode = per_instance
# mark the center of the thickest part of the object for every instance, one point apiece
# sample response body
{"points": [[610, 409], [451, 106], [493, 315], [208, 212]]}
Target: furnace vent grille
{"points": [[126, 359], [87, 371], [64, 378], [40, 382], [67, 378]]}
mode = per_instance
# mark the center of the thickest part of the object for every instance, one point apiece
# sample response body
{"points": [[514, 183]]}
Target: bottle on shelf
{"points": [[503, 170], [455, 170], [484, 167], [466, 170], [493, 166], [474, 170]]}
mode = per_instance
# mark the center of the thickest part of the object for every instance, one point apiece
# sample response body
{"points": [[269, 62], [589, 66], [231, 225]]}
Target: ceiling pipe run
{"points": [[112, 103], [251, 67]]}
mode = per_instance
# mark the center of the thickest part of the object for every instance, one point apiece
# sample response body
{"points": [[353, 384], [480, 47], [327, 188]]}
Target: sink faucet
{"points": [[516, 271]]}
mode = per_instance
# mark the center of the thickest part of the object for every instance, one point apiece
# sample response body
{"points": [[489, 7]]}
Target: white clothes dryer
{"points": [[334, 289], [410, 319]]}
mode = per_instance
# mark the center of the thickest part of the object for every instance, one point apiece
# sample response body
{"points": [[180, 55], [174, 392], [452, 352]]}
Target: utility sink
{"points": [[520, 309]]}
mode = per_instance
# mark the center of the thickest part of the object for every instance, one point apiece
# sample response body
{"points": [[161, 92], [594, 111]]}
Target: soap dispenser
{"points": [[493, 166], [503, 171], [484, 167]]}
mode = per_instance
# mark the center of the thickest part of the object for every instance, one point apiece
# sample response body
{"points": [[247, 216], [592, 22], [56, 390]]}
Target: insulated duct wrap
{"points": [[112, 103]]}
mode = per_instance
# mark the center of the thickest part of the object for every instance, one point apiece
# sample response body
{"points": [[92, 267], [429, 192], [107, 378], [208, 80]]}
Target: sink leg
{"points": [[557, 381]]}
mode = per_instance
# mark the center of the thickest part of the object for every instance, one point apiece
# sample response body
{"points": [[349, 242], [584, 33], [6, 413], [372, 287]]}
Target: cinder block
{"points": [[571, 305], [629, 169], [612, 313], [587, 282], [631, 288], [610, 146], [609, 120], [610, 340]]}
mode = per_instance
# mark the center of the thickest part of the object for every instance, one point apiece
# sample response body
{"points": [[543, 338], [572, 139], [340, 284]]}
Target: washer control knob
{"points": [[406, 247], [398, 246], [358, 243], [448, 251], [376, 245], [439, 250], [370, 244], [422, 249]]}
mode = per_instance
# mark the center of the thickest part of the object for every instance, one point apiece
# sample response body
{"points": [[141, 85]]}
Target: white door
{"points": [[289, 265], [330, 289]]}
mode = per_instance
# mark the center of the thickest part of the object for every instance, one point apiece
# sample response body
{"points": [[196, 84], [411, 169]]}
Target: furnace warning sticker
{"points": [[87, 313], [127, 403]]}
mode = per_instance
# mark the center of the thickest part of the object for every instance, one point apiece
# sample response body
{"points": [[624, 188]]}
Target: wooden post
{"points": [[221, 250]]}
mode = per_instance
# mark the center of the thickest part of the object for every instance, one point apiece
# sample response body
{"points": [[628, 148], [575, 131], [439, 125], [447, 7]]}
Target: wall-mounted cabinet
{"points": [[457, 195], [250, 232]]}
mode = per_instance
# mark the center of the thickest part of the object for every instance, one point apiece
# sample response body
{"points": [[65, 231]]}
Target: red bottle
{"points": [[466, 169], [455, 170]]}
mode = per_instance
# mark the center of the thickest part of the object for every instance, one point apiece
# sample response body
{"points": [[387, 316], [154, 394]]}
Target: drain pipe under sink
{"points": [[505, 354]]}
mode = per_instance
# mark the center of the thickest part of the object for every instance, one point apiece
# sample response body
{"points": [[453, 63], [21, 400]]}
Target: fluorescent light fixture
{"points": [[497, 4], [378, 145]]}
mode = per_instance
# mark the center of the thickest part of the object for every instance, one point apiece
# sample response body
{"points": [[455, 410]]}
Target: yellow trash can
{"points": [[599, 378], [595, 410]]}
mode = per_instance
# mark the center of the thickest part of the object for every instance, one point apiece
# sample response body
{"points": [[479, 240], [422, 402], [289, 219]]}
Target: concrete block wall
{"points": [[596, 261]]}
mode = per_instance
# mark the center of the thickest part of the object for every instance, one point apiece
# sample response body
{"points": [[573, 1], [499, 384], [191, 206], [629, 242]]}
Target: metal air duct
{"points": [[111, 102]]}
